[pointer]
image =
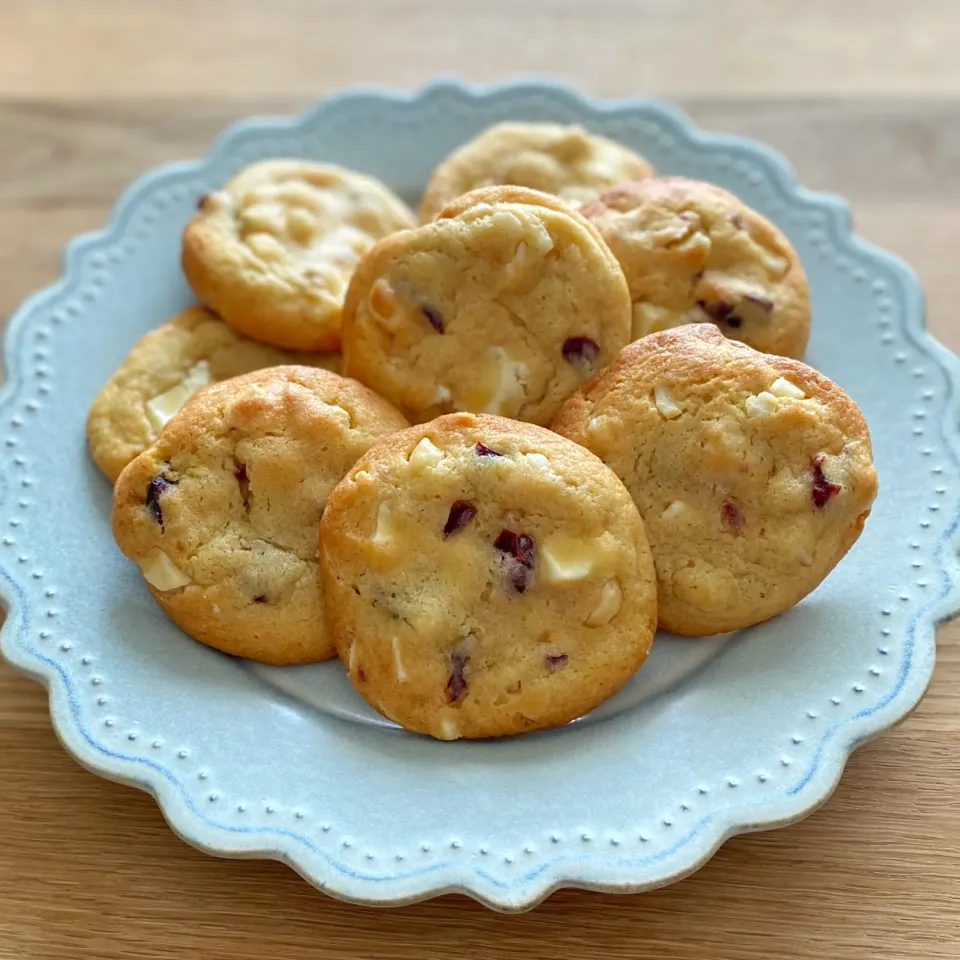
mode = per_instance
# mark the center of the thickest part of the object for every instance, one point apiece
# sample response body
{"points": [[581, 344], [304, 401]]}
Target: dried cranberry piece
{"points": [[461, 513], [821, 489], [736, 220], [519, 550], [733, 516], [434, 316], [156, 488], [260, 598], [719, 311], [581, 351], [202, 201], [457, 682], [482, 450], [555, 661]]}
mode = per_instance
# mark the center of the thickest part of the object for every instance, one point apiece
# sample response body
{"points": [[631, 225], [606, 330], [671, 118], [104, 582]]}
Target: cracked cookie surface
{"points": [[272, 252], [222, 513], [753, 473], [694, 253], [163, 370], [485, 577], [504, 305], [564, 160]]}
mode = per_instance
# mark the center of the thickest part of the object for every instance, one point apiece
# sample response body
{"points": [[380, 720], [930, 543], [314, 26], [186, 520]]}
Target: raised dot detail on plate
{"points": [[703, 791], [241, 808], [213, 798], [346, 844], [454, 845], [508, 860], [554, 839], [108, 722], [859, 275], [131, 736], [269, 809], [66, 647], [96, 681], [733, 782], [86, 661], [614, 842], [369, 856], [785, 761], [182, 754], [157, 744], [202, 775], [883, 651], [325, 827], [835, 701], [685, 807], [874, 672], [762, 777], [667, 823], [399, 857], [812, 714], [298, 814], [858, 688], [900, 357], [101, 701]]}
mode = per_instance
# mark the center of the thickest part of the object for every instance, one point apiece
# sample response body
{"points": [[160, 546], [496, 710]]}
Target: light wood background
{"points": [[862, 95]]}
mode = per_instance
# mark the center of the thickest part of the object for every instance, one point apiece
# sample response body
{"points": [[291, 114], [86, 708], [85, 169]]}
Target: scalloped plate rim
{"points": [[833, 750]]}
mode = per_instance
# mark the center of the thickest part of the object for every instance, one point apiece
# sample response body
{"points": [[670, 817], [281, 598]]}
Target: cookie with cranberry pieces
{"points": [[505, 304], [272, 252], [565, 160], [485, 577], [163, 370], [753, 473], [222, 513], [694, 253]]}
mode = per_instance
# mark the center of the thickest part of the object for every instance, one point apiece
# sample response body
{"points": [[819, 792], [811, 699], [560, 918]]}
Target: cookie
{"points": [[753, 473], [162, 371], [222, 513], [693, 253], [563, 160], [485, 577], [504, 305], [272, 252]]}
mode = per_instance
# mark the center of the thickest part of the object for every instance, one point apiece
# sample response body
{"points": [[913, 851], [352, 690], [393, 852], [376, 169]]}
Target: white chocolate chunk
{"points": [[538, 460], [509, 388], [781, 387], [302, 225], [567, 558], [762, 404], [608, 606], [804, 557], [362, 476], [264, 218], [442, 394], [343, 246], [425, 454], [385, 531], [398, 662], [266, 246], [352, 658], [163, 406], [448, 730], [505, 220], [542, 241], [675, 509], [161, 572], [774, 264], [667, 406]]}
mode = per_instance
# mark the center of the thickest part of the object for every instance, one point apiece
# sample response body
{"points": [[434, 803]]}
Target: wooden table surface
{"points": [[864, 101]]}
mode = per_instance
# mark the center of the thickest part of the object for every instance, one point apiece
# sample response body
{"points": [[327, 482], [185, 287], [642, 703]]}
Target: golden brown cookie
{"points": [[272, 252], [753, 473], [504, 305], [694, 253], [563, 160], [162, 371], [222, 513], [485, 577]]}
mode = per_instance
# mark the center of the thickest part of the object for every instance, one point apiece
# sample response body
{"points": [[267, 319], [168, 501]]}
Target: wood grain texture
{"points": [[864, 102]]}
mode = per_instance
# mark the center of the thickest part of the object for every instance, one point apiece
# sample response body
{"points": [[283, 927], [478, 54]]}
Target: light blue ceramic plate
{"points": [[712, 738]]}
